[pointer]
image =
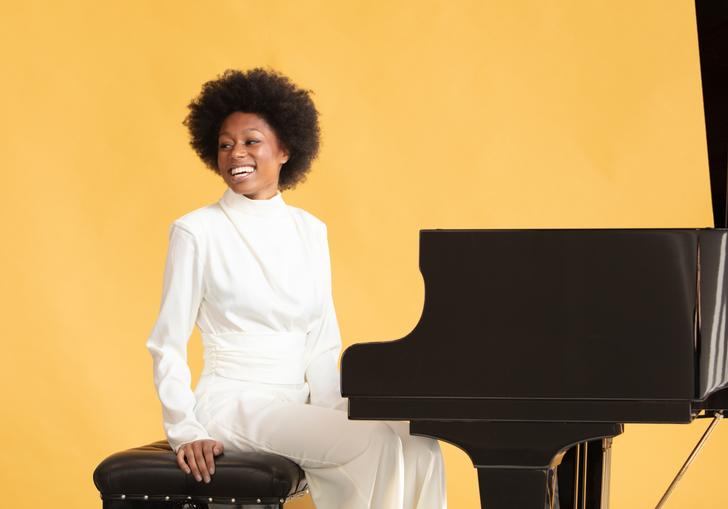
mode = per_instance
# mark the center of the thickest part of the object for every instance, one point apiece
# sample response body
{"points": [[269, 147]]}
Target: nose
{"points": [[239, 150]]}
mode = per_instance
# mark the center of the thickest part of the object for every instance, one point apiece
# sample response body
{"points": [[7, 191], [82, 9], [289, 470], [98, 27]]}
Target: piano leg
{"points": [[514, 458], [502, 488]]}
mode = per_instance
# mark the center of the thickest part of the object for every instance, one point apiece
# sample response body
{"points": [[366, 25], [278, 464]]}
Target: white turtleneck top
{"points": [[245, 269]]}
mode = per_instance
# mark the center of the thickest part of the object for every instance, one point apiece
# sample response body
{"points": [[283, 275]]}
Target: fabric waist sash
{"points": [[274, 357]]}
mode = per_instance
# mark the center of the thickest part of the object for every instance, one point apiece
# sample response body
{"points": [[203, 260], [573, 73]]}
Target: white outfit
{"points": [[255, 276]]}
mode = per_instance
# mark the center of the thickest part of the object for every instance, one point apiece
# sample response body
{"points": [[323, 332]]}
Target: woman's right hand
{"points": [[197, 458]]}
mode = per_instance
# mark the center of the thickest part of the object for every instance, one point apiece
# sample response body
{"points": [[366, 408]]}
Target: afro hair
{"points": [[287, 109]]}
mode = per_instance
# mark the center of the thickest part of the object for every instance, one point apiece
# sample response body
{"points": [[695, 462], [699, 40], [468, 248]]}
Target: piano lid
{"points": [[712, 20]]}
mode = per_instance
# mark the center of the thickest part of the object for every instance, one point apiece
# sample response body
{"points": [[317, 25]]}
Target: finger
{"points": [[190, 455], [181, 461], [218, 449], [209, 457], [200, 460]]}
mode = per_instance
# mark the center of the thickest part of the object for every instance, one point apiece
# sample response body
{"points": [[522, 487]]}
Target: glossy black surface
{"points": [[712, 21], [533, 340], [603, 316], [712, 368]]}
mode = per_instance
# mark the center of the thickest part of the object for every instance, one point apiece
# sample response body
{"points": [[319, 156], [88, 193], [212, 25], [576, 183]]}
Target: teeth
{"points": [[242, 169]]}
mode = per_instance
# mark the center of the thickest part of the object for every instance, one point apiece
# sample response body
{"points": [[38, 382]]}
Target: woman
{"points": [[254, 274]]}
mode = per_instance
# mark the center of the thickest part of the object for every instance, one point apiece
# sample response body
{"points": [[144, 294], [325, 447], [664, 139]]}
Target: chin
{"points": [[246, 190], [240, 187]]}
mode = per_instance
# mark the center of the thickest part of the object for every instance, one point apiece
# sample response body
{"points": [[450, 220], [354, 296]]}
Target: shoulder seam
{"points": [[308, 215], [176, 224]]}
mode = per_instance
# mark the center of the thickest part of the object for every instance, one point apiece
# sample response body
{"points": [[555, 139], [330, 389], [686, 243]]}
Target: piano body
{"points": [[533, 341]]}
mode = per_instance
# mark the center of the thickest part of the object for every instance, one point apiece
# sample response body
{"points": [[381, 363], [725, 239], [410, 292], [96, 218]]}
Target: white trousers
{"points": [[348, 464]]}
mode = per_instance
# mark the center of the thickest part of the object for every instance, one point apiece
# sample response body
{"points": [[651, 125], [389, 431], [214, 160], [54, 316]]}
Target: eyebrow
{"points": [[247, 129]]}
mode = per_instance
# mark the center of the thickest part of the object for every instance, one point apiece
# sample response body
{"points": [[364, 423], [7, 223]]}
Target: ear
{"points": [[286, 156]]}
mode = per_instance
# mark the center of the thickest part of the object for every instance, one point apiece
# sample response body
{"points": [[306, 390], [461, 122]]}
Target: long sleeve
{"points": [[181, 297], [323, 345]]}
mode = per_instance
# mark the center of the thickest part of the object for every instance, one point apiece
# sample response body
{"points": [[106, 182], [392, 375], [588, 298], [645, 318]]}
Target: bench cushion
{"points": [[151, 473]]}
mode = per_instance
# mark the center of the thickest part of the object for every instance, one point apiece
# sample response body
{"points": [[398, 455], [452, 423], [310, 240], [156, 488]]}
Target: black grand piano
{"points": [[535, 346]]}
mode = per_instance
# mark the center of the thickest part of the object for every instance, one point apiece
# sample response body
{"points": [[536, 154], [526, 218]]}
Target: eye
{"points": [[252, 142], [225, 145]]}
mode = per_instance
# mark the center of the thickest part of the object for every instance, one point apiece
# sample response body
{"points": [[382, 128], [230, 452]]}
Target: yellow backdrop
{"points": [[435, 114]]}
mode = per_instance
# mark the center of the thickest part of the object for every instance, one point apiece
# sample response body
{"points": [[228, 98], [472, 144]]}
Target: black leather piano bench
{"points": [[148, 477]]}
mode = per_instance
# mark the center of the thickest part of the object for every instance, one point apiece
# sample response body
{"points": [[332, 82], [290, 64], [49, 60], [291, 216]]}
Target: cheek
{"points": [[276, 155], [262, 154]]}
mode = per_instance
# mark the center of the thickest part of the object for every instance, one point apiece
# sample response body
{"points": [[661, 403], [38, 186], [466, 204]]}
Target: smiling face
{"points": [[249, 155]]}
